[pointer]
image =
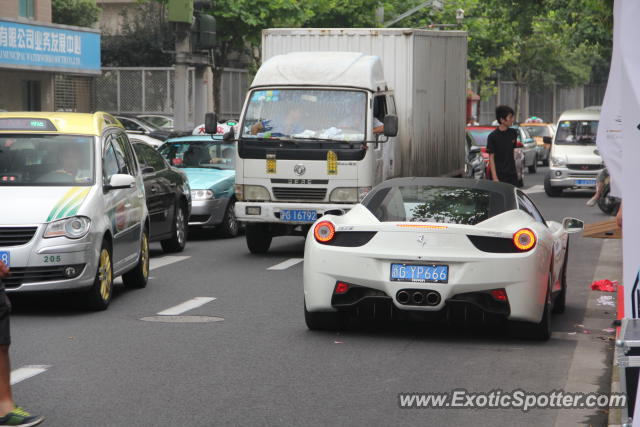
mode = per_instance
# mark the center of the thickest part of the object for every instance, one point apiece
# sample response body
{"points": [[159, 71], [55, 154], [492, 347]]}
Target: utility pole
{"points": [[181, 82], [433, 4]]}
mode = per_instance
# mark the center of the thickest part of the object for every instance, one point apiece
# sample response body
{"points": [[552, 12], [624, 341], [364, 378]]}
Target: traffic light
{"points": [[204, 35], [180, 11]]}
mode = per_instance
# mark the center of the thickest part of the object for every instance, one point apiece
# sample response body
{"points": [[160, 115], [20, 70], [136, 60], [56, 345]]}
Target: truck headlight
{"points": [[254, 193], [558, 161], [74, 227], [344, 195], [202, 195], [348, 194]]}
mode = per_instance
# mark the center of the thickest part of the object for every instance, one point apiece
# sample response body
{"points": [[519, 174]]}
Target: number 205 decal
{"points": [[52, 258]]}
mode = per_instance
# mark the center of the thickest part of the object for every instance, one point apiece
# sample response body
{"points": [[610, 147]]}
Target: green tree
{"points": [[144, 42], [82, 13]]}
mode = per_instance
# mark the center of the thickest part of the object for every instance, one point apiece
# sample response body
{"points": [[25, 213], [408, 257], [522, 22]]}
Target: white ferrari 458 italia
{"points": [[451, 248]]}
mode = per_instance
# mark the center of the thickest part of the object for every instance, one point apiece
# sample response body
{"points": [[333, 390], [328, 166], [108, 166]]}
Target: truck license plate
{"points": [[298, 215]]}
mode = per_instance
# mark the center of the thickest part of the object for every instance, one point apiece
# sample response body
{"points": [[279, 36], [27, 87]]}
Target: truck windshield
{"points": [[306, 114], [46, 160], [577, 132]]}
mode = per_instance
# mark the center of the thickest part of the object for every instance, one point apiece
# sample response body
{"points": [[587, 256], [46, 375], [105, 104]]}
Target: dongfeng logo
{"points": [[299, 169], [421, 240]]}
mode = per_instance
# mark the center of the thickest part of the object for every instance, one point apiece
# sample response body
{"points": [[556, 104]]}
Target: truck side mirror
{"points": [[390, 125], [546, 140], [210, 123]]}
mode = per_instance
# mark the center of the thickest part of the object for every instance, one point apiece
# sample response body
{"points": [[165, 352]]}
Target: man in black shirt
{"points": [[500, 145]]}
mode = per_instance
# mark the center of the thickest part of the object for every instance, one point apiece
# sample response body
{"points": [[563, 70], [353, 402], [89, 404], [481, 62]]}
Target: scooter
{"points": [[607, 203]]}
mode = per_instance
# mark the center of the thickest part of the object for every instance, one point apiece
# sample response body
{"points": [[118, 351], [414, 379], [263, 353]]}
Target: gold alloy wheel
{"points": [[144, 256], [104, 274]]}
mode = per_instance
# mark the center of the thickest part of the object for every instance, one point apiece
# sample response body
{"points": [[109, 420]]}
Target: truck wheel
{"points": [[534, 167], [230, 224], [258, 238], [178, 239], [139, 276], [551, 191], [99, 296]]}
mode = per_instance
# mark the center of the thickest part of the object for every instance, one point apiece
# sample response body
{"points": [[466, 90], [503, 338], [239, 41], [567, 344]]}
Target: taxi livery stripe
{"points": [[73, 205], [74, 195]]}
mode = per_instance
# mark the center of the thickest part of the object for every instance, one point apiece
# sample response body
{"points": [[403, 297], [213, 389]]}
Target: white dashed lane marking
{"points": [[535, 189], [26, 372], [286, 264], [165, 260], [186, 306]]}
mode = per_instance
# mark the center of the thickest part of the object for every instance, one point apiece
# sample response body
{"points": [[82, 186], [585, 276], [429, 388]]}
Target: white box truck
{"points": [[333, 112]]}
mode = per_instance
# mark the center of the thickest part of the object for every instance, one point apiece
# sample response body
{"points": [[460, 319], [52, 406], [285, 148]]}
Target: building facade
{"points": [[45, 66]]}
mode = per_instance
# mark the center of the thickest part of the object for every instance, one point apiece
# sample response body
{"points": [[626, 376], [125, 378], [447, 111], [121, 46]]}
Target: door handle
{"points": [[127, 205]]}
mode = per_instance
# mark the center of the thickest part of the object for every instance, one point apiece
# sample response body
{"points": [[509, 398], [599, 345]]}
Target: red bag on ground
{"points": [[604, 285]]}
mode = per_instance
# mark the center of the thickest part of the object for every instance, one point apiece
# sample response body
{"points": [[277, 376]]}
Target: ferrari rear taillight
{"points": [[499, 295], [524, 239], [341, 288], [324, 232]]}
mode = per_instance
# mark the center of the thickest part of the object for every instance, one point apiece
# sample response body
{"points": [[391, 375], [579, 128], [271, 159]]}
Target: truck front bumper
{"points": [[270, 211]]}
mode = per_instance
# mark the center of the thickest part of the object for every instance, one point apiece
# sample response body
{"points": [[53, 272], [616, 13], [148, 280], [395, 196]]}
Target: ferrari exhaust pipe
{"points": [[417, 298], [433, 298], [402, 297]]}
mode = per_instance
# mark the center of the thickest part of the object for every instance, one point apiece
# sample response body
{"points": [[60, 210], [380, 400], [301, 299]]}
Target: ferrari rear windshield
{"points": [[440, 204]]}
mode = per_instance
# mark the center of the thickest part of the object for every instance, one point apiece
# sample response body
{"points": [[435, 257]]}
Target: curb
{"points": [[615, 414]]}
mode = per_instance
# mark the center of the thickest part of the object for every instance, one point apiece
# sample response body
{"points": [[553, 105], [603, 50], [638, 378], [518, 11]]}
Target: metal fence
{"points": [[545, 102], [151, 90]]}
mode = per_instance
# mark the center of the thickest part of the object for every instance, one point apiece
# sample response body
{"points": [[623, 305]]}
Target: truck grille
{"points": [[16, 236], [22, 275], [292, 193], [585, 167]]}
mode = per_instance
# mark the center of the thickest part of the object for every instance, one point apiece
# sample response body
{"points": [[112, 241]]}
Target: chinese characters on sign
{"points": [[40, 46]]}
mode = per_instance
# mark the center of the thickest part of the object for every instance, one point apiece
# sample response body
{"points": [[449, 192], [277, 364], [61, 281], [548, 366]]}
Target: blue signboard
{"points": [[47, 48]]}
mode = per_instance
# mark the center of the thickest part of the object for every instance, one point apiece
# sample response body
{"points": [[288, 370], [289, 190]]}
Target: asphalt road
{"points": [[260, 365]]}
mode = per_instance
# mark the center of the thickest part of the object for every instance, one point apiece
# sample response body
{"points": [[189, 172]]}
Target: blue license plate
{"points": [[585, 182], [419, 273], [5, 257], [298, 215]]}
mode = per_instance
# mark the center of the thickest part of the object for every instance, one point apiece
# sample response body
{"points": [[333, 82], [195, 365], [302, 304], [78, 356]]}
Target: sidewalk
{"points": [[591, 365]]}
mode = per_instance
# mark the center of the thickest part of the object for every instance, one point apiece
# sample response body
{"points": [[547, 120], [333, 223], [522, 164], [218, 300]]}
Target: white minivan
{"points": [[72, 205], [573, 160]]}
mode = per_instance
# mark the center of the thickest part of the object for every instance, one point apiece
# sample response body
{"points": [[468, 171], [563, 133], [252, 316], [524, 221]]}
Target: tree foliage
{"points": [[534, 42], [144, 42], [82, 13]]}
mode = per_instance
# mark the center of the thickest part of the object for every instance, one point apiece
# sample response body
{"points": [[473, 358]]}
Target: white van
{"points": [[573, 162], [73, 214]]}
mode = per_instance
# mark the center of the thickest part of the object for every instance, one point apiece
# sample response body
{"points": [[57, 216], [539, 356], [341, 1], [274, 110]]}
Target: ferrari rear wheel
{"points": [[560, 301], [324, 320], [540, 331]]}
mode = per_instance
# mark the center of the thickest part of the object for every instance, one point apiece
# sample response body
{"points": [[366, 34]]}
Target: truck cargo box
{"points": [[426, 70]]}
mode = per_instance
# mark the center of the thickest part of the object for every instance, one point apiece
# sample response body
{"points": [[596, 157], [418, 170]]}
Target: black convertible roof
{"points": [[507, 191]]}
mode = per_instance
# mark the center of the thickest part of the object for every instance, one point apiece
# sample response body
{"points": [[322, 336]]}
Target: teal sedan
{"points": [[209, 164]]}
